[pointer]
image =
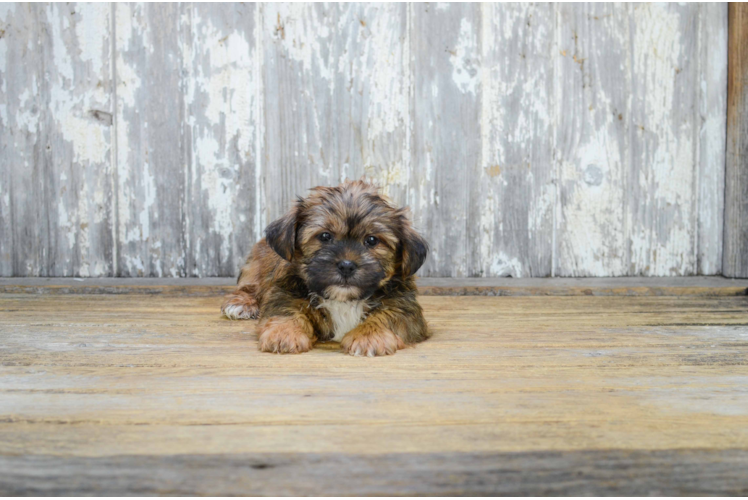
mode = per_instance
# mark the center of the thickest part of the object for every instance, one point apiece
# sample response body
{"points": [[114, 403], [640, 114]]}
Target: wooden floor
{"points": [[156, 394]]}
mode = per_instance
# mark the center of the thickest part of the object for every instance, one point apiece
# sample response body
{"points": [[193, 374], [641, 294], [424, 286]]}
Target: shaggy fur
{"points": [[339, 265]]}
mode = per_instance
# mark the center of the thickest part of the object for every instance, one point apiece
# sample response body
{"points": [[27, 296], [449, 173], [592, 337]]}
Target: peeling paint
{"points": [[6, 9], [503, 265], [303, 36], [465, 59], [28, 118]]}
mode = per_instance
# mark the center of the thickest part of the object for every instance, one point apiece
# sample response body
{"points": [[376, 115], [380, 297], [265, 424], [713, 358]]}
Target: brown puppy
{"points": [[338, 266]]}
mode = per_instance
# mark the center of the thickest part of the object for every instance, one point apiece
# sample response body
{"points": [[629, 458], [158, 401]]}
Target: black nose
{"points": [[346, 268]]}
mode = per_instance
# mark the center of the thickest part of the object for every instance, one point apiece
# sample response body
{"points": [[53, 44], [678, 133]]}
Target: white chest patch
{"points": [[345, 316]]}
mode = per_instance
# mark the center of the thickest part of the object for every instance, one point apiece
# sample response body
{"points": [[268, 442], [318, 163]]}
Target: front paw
{"points": [[240, 305], [283, 336], [371, 341]]}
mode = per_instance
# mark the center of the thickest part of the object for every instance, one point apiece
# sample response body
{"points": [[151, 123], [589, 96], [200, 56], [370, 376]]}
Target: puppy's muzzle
{"points": [[347, 268]]}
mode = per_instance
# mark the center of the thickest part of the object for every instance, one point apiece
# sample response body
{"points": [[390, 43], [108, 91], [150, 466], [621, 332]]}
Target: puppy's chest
{"points": [[344, 316]]}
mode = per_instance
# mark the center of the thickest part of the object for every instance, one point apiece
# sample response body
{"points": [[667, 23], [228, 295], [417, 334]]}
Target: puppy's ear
{"points": [[281, 233], [415, 247]]}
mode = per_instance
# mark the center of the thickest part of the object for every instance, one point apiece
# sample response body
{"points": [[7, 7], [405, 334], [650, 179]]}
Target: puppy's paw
{"points": [[283, 336], [240, 305], [371, 341]]}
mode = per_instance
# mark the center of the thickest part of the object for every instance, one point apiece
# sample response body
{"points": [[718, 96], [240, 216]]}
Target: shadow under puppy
{"points": [[338, 266]]}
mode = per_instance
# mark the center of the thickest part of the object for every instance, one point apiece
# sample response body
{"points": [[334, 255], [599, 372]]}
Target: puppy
{"points": [[338, 266]]}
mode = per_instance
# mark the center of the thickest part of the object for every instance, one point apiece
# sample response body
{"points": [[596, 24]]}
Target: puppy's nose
{"points": [[346, 268]]}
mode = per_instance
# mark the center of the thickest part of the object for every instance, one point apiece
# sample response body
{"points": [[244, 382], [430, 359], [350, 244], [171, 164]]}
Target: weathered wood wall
{"points": [[529, 140]]}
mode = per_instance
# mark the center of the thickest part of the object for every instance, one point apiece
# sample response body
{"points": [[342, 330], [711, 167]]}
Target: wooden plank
{"points": [[593, 86], [76, 188], [6, 142], [446, 52], [21, 252], [619, 393], [152, 150], [222, 90], [661, 211], [712, 122], [56, 128], [586, 473], [735, 257], [214, 287], [512, 193]]}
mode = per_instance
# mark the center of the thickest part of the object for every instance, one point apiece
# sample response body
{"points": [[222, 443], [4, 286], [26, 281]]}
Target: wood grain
{"points": [[636, 392], [735, 262]]}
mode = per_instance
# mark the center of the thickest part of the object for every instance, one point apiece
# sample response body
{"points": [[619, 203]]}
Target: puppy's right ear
{"points": [[281, 233], [415, 247]]}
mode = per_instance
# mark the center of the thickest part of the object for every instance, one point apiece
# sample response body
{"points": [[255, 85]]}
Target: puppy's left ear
{"points": [[281, 233], [415, 247]]}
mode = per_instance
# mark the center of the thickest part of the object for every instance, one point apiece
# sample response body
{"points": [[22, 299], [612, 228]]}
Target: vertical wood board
{"points": [[592, 139], [512, 194], [221, 93], [151, 148], [20, 116], [661, 214], [446, 129], [55, 197], [712, 123]]}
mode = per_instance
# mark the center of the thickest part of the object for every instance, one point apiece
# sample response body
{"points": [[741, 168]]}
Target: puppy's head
{"points": [[347, 241]]}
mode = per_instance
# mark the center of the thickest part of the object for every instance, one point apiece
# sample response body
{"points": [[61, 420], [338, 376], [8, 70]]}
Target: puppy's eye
{"points": [[371, 241], [325, 237]]}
